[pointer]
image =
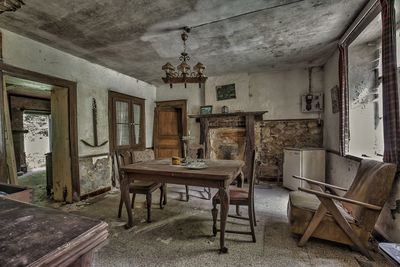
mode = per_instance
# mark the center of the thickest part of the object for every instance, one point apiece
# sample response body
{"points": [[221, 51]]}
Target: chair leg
{"points": [[133, 200], [148, 200], [316, 219], [120, 207], [165, 194], [344, 224], [161, 196], [187, 193], [214, 213], [254, 213], [208, 191], [238, 210], [253, 234]]}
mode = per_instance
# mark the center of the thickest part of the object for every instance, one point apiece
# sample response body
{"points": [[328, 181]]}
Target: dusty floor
{"points": [[180, 235], [37, 180]]}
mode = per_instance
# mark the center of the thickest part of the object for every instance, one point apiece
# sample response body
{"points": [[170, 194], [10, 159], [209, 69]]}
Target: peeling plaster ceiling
{"points": [[131, 37]]}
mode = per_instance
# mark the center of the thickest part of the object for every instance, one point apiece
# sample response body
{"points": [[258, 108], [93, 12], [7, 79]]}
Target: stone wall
{"points": [[273, 136]]}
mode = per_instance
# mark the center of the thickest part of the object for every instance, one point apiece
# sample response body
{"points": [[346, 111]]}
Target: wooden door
{"points": [[60, 145], [169, 132], [170, 126]]}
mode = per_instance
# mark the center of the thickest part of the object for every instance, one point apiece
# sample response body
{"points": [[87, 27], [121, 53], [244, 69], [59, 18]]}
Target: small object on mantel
{"points": [[225, 109], [391, 251]]}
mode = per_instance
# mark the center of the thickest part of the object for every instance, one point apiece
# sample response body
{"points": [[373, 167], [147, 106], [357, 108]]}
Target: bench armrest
{"points": [[348, 200], [319, 183]]}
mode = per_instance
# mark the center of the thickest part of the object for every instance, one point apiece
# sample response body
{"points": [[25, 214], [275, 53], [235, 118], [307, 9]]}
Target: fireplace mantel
{"points": [[256, 114], [231, 120]]}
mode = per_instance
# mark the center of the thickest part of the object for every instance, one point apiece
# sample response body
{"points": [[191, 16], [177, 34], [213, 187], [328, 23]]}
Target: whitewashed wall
{"points": [[278, 92], [92, 81]]}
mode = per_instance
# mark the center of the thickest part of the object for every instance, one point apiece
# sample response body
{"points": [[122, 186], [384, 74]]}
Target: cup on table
{"points": [[176, 161]]}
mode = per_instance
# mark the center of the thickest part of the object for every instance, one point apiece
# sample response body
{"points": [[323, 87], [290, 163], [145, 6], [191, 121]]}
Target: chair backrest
{"points": [[142, 155], [252, 178], [372, 185], [121, 158], [124, 157], [127, 156]]}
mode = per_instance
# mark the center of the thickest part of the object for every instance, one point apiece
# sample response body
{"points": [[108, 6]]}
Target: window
{"points": [[127, 122], [365, 92]]}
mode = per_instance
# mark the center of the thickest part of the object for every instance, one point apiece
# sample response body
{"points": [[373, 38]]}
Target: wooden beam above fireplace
{"points": [[257, 115]]}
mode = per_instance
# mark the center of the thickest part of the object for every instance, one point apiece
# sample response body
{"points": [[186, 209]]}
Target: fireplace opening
{"points": [[227, 143], [229, 151]]}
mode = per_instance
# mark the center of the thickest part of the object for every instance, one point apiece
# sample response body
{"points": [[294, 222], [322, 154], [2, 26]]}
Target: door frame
{"points": [[178, 104], [73, 118]]}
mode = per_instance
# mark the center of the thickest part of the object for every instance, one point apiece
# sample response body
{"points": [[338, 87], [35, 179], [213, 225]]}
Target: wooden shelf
{"points": [[253, 113]]}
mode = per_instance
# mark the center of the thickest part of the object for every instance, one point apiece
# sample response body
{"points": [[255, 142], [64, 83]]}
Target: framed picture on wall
{"points": [[335, 99], [204, 110], [225, 92]]}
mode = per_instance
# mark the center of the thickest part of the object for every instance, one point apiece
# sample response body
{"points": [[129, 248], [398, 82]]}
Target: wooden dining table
{"points": [[218, 174]]}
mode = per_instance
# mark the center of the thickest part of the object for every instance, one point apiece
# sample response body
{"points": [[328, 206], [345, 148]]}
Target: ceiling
{"points": [[133, 37]]}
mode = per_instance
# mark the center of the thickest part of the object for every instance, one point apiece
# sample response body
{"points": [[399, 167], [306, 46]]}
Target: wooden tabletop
{"points": [[36, 236], [217, 169]]}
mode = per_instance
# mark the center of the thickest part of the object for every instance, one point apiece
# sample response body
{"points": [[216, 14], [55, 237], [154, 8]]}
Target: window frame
{"points": [[365, 18], [113, 97]]}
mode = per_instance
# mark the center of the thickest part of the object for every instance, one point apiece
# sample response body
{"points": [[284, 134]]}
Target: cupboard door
{"points": [[126, 122]]}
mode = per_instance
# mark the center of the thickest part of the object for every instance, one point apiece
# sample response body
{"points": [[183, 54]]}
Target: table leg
{"points": [[224, 198], [124, 187]]}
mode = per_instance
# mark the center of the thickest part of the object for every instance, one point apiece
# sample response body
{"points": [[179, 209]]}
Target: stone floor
{"points": [[180, 235], [36, 180]]}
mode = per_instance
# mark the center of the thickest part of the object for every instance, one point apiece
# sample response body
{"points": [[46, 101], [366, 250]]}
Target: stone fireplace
{"points": [[229, 136]]}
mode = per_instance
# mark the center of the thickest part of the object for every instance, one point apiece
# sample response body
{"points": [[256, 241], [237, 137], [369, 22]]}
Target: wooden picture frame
{"points": [[225, 92], [335, 99], [204, 110]]}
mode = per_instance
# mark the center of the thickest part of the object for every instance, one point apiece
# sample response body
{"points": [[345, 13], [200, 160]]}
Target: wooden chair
{"points": [[126, 157], [349, 219], [239, 197]]}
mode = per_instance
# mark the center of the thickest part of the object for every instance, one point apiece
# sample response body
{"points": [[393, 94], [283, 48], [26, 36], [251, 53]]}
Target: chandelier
{"points": [[184, 73]]}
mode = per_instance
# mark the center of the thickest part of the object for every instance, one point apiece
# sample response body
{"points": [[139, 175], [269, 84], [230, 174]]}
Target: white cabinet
{"points": [[305, 162]]}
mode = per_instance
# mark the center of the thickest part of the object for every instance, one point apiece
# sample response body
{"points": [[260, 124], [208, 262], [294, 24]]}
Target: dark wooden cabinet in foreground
{"points": [[36, 236]]}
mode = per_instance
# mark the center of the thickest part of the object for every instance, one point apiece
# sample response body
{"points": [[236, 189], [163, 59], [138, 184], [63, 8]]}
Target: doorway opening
{"points": [[34, 165], [43, 136]]}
